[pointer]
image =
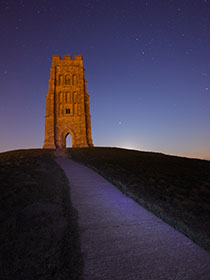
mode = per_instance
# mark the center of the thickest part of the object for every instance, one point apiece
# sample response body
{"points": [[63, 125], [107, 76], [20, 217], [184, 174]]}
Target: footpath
{"points": [[120, 240]]}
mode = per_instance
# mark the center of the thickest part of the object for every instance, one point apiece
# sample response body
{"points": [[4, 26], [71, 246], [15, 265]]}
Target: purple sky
{"points": [[147, 70]]}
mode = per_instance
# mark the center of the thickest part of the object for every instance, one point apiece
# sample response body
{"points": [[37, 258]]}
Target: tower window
{"points": [[67, 111], [67, 80]]}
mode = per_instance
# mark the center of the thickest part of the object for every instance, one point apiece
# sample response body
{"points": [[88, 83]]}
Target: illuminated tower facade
{"points": [[67, 104]]}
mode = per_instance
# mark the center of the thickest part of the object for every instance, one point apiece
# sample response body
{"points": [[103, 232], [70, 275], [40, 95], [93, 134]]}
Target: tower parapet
{"points": [[67, 60]]}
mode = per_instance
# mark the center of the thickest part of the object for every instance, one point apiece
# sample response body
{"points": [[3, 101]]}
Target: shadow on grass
{"points": [[39, 232]]}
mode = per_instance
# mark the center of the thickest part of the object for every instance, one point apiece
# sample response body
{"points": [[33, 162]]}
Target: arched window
{"points": [[74, 80], [68, 96], [71, 97], [60, 79], [67, 80], [74, 97], [61, 97]]}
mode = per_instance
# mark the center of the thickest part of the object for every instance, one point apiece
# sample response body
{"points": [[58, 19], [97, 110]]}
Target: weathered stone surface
{"points": [[67, 104]]}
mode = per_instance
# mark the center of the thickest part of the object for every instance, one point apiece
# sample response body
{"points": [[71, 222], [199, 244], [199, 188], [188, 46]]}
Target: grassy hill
{"points": [[39, 234], [176, 189]]}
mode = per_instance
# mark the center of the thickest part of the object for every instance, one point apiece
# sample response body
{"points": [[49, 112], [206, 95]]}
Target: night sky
{"points": [[147, 70]]}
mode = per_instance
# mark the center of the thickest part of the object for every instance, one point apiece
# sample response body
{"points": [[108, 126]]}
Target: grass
{"points": [[39, 233], [176, 189]]}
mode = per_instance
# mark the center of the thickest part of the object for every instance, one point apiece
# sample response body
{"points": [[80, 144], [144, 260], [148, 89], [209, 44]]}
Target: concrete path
{"points": [[123, 241]]}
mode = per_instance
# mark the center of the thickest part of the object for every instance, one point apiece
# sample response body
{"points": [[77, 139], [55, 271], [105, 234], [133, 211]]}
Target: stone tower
{"points": [[67, 104]]}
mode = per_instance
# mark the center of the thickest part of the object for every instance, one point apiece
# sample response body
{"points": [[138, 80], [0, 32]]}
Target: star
{"points": [[4, 77], [204, 74]]}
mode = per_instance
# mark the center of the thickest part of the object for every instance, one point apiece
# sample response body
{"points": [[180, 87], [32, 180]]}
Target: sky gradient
{"points": [[147, 70]]}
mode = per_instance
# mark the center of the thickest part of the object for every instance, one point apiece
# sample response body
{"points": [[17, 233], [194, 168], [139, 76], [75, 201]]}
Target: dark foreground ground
{"points": [[174, 188], [39, 236]]}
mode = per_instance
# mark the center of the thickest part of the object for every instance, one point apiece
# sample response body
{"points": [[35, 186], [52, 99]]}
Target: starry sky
{"points": [[147, 70]]}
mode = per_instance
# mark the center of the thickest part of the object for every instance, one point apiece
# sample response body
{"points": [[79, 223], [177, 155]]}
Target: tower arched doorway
{"points": [[68, 140]]}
